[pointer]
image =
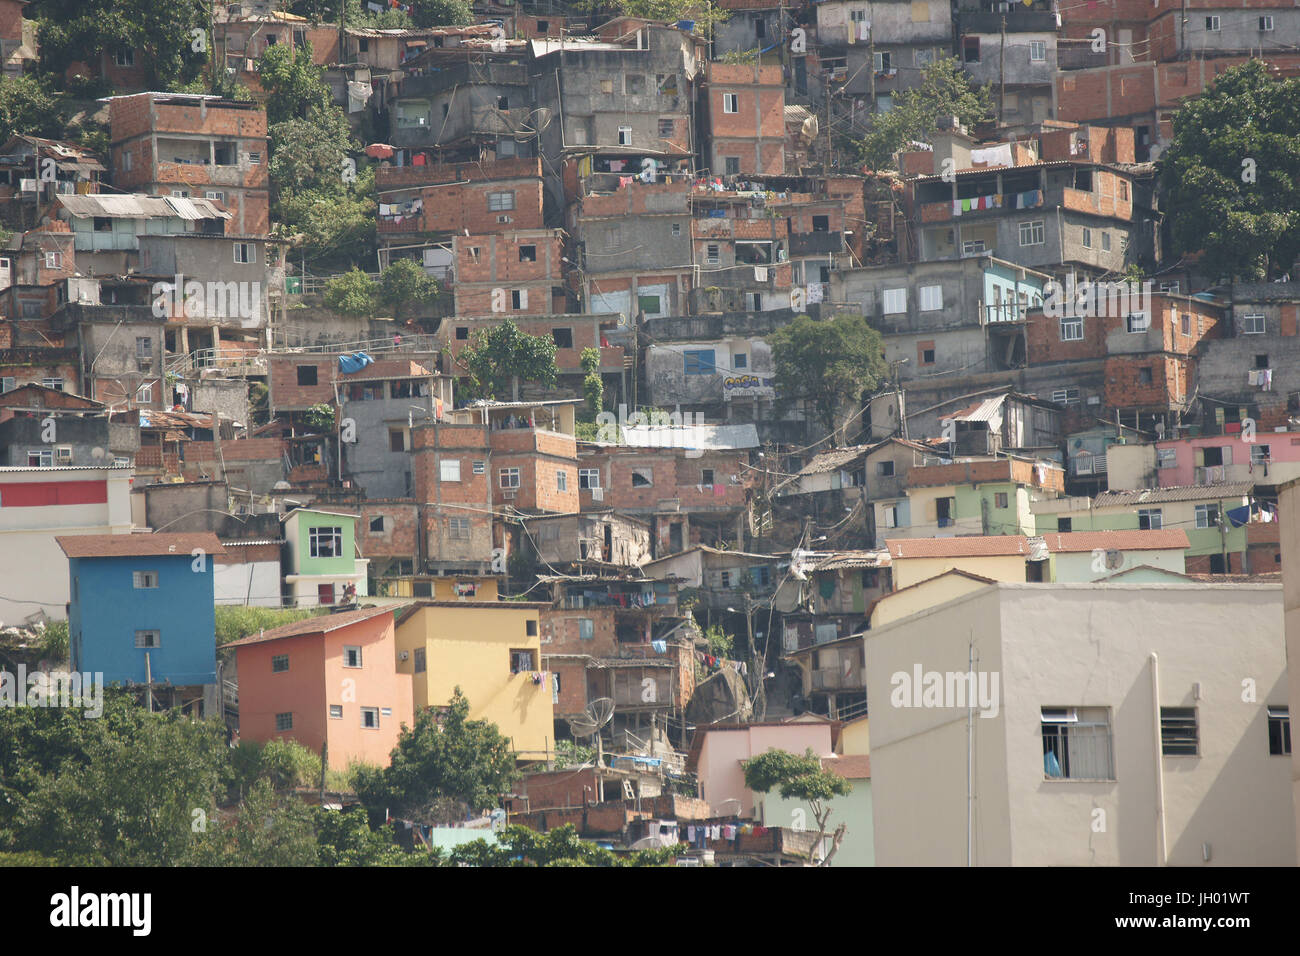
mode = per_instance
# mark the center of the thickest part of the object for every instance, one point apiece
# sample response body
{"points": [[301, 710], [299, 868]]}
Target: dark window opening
{"points": [[306, 374], [563, 338], [527, 253]]}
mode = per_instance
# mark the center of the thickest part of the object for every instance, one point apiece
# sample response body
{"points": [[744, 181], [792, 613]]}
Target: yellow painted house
{"points": [[492, 652], [451, 588], [1007, 557], [923, 595]]}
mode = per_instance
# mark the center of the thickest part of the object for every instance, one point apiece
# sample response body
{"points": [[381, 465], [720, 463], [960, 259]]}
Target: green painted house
{"points": [[323, 563]]}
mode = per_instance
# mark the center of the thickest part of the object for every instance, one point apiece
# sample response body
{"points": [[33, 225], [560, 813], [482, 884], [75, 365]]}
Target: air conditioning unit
{"points": [[63, 454], [597, 494], [504, 219], [508, 495], [403, 655]]}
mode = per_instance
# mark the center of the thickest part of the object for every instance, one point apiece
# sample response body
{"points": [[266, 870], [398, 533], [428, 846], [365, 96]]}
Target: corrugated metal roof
{"points": [[140, 206], [715, 437], [846, 560], [834, 460], [989, 410], [1232, 489]]}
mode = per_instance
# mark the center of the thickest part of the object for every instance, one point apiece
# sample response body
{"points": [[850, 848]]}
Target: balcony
{"points": [[816, 243]]}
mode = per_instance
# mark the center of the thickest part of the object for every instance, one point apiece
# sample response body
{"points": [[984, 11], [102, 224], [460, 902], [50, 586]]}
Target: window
{"points": [[731, 165], [706, 476], [40, 458], [1076, 743], [351, 655], [1178, 731], [148, 639], [1087, 238], [1266, 26], [1123, 194], [625, 136], [144, 580], [462, 332], [421, 660], [522, 660], [124, 57], [586, 629], [880, 62], [1252, 323], [1186, 323], [924, 57], [1032, 233], [970, 49], [1150, 519], [500, 201], [449, 469], [927, 356], [739, 360], [336, 711], [509, 477], [528, 253], [563, 338], [730, 103], [255, 159], [458, 528], [377, 525], [1105, 242], [1166, 458], [1279, 731], [642, 478], [54, 260], [144, 394], [1137, 322], [1145, 376], [397, 439], [8, 384], [1037, 50], [971, 247], [530, 628], [1259, 454], [245, 253], [588, 477], [326, 542], [1064, 525], [699, 362], [1000, 499], [711, 254], [1072, 329], [370, 718], [479, 466], [677, 230], [306, 374], [931, 298], [1207, 516], [895, 301], [1211, 24], [284, 722], [279, 663], [890, 513], [1261, 361], [519, 299], [561, 481], [760, 27], [885, 469]]}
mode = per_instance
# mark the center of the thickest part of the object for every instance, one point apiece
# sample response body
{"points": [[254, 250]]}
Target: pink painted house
{"points": [[718, 749], [1272, 458], [326, 681]]}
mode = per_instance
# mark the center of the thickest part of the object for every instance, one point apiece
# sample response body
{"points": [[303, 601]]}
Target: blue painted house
{"points": [[142, 608]]}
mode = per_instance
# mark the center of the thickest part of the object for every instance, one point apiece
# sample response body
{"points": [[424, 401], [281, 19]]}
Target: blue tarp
{"points": [[1239, 516], [354, 362]]}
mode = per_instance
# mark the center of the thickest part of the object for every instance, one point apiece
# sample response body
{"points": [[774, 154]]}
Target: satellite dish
{"points": [[1114, 559], [98, 454], [599, 712]]}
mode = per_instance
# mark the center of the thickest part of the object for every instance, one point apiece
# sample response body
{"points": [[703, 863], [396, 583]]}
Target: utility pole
{"points": [[1002, 73]]}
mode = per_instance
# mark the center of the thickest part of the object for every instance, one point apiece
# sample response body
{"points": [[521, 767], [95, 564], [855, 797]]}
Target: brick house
{"points": [[745, 119], [520, 272]]}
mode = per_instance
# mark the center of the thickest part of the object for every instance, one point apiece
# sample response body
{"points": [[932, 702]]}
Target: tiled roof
{"points": [[322, 624], [834, 460], [962, 547], [1131, 540], [138, 545], [1232, 489], [844, 560], [849, 766]]}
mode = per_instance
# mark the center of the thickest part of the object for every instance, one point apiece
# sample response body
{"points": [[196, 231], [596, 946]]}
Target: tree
{"points": [[29, 107], [267, 829], [405, 282], [331, 224], [1231, 175], [309, 153], [162, 36], [520, 846], [441, 13], [593, 388], [444, 757], [800, 778], [945, 90], [702, 13], [504, 355], [828, 363], [344, 838], [294, 84], [353, 293]]}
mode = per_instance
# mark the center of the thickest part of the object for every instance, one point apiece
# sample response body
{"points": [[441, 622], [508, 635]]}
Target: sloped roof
{"points": [[1130, 540], [314, 625], [139, 206], [971, 546], [1231, 489], [844, 560], [849, 766], [138, 545], [834, 460]]}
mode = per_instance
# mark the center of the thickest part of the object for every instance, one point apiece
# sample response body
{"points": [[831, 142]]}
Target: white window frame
{"points": [[1087, 238], [336, 711], [1203, 515], [54, 260], [1266, 23], [1260, 454], [458, 529], [731, 102], [1072, 329], [144, 394], [588, 478], [245, 253], [144, 580], [449, 469], [500, 201], [1212, 24], [1253, 323], [894, 302], [369, 712], [1137, 322], [931, 297], [1037, 51], [625, 136], [1033, 228], [509, 478], [561, 481], [1155, 519], [352, 652]]}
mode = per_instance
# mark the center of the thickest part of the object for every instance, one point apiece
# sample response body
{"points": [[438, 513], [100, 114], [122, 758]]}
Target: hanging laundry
{"points": [[956, 207], [661, 647], [965, 205], [760, 273]]}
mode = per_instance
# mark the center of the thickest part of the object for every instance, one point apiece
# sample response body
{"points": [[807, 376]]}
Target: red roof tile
{"points": [[963, 547], [322, 624], [1130, 540], [138, 545], [849, 766]]}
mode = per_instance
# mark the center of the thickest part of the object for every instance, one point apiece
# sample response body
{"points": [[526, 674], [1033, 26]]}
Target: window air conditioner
{"points": [[64, 453]]}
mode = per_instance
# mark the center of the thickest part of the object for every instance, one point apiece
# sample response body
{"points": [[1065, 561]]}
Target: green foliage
{"points": [[405, 282], [284, 764], [569, 753], [741, 57], [593, 387], [586, 431], [331, 224], [945, 90], [443, 757], [294, 84], [267, 829], [29, 106], [320, 417], [797, 778], [721, 644], [308, 153], [441, 13], [1231, 175], [520, 846], [353, 293], [829, 363], [346, 839], [503, 356], [234, 622], [259, 403], [54, 641], [159, 33], [704, 14]]}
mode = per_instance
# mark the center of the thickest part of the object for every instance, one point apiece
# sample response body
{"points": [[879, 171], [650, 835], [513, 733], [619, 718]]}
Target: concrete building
{"points": [[41, 426], [882, 48], [106, 229], [974, 496], [193, 146], [323, 566], [718, 750], [18, 52], [516, 273], [1115, 735], [1014, 51], [744, 120]]}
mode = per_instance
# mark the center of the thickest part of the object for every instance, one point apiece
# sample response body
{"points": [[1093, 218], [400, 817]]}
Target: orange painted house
{"points": [[329, 680]]}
